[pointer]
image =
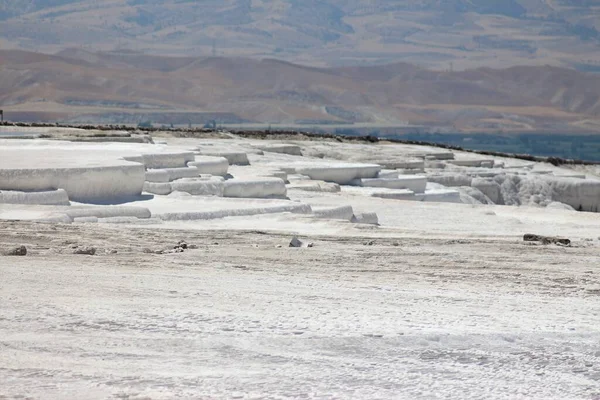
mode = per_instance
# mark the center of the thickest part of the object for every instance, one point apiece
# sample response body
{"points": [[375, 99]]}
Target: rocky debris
{"points": [[150, 251], [84, 250], [182, 244], [298, 243], [546, 239], [180, 247], [172, 251], [17, 251]]}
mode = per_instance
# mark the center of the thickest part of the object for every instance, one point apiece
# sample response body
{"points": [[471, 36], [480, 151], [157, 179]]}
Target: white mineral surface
{"points": [[413, 280]]}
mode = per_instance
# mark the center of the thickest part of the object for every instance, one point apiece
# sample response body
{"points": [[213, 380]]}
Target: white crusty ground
{"points": [[442, 301], [356, 316]]}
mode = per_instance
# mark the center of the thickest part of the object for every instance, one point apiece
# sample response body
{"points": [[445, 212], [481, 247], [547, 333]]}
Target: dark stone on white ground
{"points": [[529, 237], [17, 251], [173, 251], [296, 242], [85, 250]]}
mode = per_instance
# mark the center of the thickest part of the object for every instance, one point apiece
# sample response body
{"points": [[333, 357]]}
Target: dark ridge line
{"points": [[556, 161]]}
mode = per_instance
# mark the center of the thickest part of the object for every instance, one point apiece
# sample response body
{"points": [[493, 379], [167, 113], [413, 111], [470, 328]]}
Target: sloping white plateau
{"points": [[85, 177]]}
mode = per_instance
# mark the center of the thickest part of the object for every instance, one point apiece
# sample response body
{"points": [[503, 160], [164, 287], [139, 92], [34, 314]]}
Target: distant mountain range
{"points": [[129, 87], [442, 34]]}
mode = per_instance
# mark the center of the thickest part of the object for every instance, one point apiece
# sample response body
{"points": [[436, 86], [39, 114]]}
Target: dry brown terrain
{"points": [[78, 86], [192, 62], [444, 34]]}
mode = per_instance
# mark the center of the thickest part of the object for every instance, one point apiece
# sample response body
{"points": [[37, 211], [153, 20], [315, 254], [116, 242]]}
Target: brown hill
{"points": [[131, 87], [446, 34]]}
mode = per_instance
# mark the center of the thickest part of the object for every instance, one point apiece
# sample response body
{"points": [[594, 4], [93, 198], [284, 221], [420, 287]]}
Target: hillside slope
{"points": [[449, 34], [128, 87]]}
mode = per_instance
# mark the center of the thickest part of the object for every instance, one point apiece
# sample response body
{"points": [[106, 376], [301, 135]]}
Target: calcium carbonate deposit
{"points": [[225, 267]]}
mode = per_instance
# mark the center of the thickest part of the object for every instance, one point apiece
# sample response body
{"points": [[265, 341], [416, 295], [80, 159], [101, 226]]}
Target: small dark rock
{"points": [[298, 243], [88, 251], [17, 251], [546, 239]]}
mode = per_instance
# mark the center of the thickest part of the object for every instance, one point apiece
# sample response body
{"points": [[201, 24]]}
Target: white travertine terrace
{"points": [[85, 175], [106, 211], [282, 148], [160, 188], [333, 212], [68, 214], [209, 187], [388, 174], [61, 181], [315, 186], [205, 208], [55, 197], [208, 165], [395, 194], [157, 176], [340, 173], [234, 157], [440, 196], [486, 163], [412, 182], [369, 218], [490, 188], [162, 159], [179, 173], [257, 187], [583, 195]]}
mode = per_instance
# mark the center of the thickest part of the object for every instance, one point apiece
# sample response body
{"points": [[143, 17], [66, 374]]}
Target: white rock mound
{"points": [[233, 157], [414, 183], [342, 174], [256, 188], [206, 165], [281, 148], [55, 197]]}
